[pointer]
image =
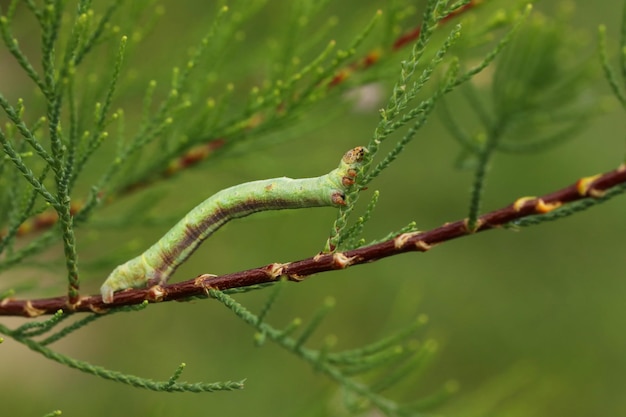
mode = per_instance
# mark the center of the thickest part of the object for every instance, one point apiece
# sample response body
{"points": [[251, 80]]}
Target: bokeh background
{"points": [[528, 323]]}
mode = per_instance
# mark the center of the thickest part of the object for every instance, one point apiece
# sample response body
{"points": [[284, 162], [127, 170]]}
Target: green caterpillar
{"points": [[158, 263]]}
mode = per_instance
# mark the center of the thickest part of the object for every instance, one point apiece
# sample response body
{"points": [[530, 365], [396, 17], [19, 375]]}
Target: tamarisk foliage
{"points": [[78, 145]]}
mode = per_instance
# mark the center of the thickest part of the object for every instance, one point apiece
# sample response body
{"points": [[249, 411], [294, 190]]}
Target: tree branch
{"points": [[593, 188]]}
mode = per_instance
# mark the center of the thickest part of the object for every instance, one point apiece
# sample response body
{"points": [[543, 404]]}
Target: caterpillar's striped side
{"points": [[159, 262]]}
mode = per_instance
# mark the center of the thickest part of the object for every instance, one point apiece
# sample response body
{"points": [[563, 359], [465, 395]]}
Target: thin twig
{"points": [[593, 188]]}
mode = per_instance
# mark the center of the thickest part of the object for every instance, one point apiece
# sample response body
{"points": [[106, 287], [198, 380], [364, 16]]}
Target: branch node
{"points": [[155, 293], [401, 240], [200, 281], [319, 256], [341, 261], [296, 277], [477, 225], [95, 309], [584, 186], [422, 246], [275, 270], [73, 304], [32, 311], [519, 204], [543, 207]]}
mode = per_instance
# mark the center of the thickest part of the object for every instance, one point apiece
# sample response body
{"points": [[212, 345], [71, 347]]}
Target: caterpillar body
{"points": [[158, 263]]}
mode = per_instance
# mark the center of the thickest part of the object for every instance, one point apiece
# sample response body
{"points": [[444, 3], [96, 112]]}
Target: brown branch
{"points": [[589, 187]]}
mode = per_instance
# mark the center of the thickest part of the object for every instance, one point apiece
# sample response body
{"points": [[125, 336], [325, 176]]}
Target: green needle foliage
{"points": [[25, 333], [404, 108], [537, 102], [385, 362], [609, 72], [96, 124]]}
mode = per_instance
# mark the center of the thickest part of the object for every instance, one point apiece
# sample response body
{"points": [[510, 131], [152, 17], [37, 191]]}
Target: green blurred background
{"points": [[528, 323]]}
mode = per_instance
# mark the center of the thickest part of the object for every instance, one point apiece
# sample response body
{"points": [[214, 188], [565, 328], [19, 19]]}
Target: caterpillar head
{"points": [[350, 163]]}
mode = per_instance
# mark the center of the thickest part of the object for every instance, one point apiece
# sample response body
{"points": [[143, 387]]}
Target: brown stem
{"points": [[588, 187]]}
